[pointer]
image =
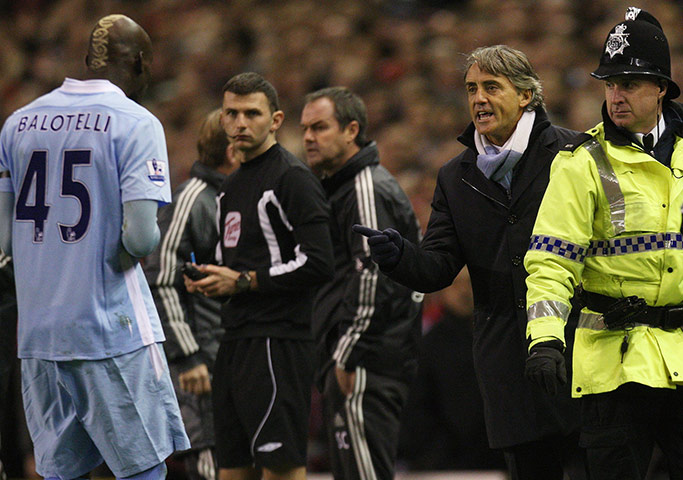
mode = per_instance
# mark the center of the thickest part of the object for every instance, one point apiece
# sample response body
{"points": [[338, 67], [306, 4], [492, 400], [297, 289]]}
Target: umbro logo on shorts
{"points": [[269, 447]]}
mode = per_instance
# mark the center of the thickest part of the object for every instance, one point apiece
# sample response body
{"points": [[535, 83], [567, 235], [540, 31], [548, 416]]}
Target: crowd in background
{"points": [[403, 57]]}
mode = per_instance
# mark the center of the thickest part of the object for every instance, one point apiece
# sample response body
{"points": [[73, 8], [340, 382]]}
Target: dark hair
{"points": [[251, 82], [513, 64], [347, 107], [213, 141]]}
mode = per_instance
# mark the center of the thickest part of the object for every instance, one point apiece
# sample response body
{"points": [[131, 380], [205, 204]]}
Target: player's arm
{"points": [[6, 212], [140, 233]]}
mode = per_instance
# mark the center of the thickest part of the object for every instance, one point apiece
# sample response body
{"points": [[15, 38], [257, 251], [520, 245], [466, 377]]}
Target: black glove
{"points": [[545, 366], [386, 246]]}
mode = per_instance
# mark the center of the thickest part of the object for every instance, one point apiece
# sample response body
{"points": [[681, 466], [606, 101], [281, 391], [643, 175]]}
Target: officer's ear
{"points": [[663, 87]]}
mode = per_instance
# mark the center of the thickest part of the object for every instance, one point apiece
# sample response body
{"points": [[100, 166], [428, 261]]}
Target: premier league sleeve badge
{"points": [[156, 172]]}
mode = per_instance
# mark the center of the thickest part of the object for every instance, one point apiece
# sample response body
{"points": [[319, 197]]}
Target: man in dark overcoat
{"points": [[483, 211]]}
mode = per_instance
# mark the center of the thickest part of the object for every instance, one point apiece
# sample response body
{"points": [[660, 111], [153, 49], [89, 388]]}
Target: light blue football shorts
{"points": [[119, 410]]}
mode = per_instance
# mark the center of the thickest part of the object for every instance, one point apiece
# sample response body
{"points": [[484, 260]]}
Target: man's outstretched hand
{"points": [[386, 246]]}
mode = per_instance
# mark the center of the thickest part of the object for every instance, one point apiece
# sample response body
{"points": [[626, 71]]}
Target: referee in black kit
{"points": [[274, 251]]}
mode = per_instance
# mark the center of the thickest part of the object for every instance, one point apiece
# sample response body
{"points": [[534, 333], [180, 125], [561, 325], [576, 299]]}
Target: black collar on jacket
{"points": [[368, 155], [209, 175]]}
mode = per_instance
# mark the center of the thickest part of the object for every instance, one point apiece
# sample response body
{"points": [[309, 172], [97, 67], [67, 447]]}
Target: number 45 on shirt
{"points": [[35, 180]]}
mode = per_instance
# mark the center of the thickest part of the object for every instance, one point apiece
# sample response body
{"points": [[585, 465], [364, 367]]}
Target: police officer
{"points": [[619, 189]]}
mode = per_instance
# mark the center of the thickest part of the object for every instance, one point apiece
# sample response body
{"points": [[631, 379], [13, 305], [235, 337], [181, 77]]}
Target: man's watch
{"points": [[243, 282]]}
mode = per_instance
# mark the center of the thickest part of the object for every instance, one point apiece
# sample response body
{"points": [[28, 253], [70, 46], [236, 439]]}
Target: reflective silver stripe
{"points": [[594, 321], [557, 246], [640, 243], [548, 308], [610, 185]]}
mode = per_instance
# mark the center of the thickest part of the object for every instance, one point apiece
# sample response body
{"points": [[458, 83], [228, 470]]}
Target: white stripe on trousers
{"points": [[356, 424]]}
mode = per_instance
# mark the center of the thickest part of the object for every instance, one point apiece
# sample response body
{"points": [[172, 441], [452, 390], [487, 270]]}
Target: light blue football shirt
{"points": [[75, 155]]}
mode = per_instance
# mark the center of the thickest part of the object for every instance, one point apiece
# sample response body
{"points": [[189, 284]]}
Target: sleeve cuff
{"points": [[545, 329]]}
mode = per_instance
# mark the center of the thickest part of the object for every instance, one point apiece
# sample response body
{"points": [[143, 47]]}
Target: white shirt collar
{"points": [[72, 85], [656, 132]]}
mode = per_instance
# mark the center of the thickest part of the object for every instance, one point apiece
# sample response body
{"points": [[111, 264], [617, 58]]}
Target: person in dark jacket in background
{"points": [[8, 339], [192, 322], [366, 326], [443, 426], [484, 207]]}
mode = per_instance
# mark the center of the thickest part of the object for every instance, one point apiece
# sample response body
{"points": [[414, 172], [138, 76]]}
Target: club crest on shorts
{"points": [[232, 228], [617, 41], [156, 172]]}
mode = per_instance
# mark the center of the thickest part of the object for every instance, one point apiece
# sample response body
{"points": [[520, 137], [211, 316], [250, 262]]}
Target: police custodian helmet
{"points": [[637, 46]]}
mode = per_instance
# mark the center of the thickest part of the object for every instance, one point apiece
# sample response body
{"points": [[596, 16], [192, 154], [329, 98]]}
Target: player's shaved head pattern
{"points": [[99, 41]]}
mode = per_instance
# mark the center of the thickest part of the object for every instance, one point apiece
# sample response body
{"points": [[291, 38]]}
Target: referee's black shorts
{"points": [[262, 398]]}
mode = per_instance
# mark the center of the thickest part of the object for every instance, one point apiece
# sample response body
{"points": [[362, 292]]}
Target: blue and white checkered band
{"points": [[559, 247], [641, 243]]}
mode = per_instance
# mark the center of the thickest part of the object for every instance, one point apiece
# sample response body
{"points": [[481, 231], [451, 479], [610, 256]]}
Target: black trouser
{"points": [[620, 429], [547, 459], [362, 429]]}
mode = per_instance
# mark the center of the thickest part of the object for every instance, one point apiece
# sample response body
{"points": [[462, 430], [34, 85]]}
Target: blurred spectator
{"points": [[402, 57]]}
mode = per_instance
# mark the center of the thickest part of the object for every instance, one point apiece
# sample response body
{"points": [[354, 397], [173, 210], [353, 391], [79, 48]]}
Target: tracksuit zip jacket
{"points": [[363, 318], [614, 224], [191, 322]]}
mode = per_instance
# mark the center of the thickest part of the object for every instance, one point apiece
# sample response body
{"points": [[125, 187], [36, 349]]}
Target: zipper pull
{"points": [[624, 346]]}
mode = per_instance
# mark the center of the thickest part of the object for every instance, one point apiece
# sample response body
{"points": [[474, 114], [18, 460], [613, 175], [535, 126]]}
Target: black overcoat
{"points": [[475, 222]]}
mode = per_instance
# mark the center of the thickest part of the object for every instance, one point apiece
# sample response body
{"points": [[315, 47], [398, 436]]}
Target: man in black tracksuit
{"points": [[366, 326], [192, 322], [484, 207], [275, 251]]}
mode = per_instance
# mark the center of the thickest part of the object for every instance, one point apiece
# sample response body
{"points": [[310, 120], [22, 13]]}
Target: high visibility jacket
{"points": [[611, 220]]}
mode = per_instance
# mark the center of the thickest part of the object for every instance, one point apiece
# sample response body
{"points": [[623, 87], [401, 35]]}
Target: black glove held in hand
{"points": [[545, 366], [386, 246]]}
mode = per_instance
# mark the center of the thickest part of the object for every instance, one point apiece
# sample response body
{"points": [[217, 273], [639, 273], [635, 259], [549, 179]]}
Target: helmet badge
{"points": [[617, 41], [632, 13]]}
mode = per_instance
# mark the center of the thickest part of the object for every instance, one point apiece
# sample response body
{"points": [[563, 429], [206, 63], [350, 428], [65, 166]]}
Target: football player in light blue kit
{"points": [[82, 171]]}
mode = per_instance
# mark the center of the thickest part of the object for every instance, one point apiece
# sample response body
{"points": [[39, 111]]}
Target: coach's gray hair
{"points": [[505, 61]]}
